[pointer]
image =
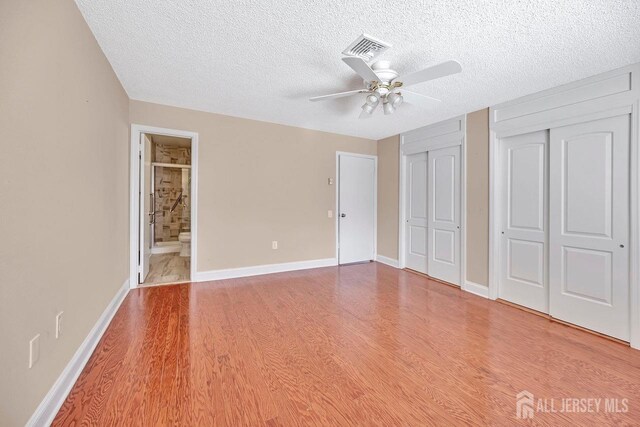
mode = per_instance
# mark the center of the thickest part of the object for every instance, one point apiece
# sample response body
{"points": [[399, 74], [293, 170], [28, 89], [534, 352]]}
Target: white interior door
{"points": [[443, 240], [356, 207], [416, 212], [523, 275], [589, 225], [145, 208]]}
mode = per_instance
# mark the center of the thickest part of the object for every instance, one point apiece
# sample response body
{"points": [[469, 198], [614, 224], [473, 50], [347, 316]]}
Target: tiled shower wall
{"points": [[168, 185]]}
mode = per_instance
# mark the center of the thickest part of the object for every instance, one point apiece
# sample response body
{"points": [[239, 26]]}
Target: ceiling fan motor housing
{"points": [[384, 72]]}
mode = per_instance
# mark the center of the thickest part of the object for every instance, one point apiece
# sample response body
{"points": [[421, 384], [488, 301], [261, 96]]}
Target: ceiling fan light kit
{"points": [[368, 109], [388, 108], [381, 82], [395, 99], [373, 100]]}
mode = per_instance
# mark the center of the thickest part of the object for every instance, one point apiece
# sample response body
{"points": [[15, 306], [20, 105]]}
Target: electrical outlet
{"points": [[34, 350], [59, 324], [329, 214], [274, 244]]}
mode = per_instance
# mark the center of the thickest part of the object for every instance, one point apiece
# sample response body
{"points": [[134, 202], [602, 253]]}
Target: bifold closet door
{"points": [[523, 247], [443, 184], [416, 212], [589, 225]]}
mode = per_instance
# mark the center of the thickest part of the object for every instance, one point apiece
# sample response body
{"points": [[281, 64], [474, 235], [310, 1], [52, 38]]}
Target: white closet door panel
{"points": [[444, 214], [589, 208], [416, 211], [524, 220]]}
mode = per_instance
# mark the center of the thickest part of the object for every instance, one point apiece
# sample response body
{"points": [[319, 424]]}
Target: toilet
{"points": [[185, 242]]}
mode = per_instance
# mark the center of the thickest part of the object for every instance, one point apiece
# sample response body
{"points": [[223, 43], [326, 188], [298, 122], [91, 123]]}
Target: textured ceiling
{"points": [[263, 60]]}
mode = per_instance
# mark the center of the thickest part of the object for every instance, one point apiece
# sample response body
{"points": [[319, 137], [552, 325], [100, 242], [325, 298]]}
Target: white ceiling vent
{"points": [[366, 47]]}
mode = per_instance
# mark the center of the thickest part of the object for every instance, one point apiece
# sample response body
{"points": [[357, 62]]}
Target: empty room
{"points": [[319, 213]]}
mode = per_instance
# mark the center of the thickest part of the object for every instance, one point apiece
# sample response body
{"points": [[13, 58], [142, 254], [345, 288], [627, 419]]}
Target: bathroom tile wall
{"points": [[168, 185], [169, 154]]}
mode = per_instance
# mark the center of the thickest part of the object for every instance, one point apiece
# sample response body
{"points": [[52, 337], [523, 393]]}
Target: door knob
{"points": [[343, 215]]}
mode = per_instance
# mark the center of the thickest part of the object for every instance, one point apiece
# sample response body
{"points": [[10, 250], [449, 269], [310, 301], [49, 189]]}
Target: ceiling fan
{"points": [[383, 84]]}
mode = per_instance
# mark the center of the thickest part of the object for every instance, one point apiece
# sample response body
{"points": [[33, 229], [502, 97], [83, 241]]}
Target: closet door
{"points": [[523, 275], [444, 214], [416, 211], [589, 225]]}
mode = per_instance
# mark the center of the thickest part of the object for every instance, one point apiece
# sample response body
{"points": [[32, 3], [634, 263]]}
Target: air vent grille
{"points": [[366, 47]]}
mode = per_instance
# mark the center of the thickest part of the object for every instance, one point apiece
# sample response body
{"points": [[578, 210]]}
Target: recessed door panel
{"points": [[418, 241], [444, 214], [588, 184], [523, 276], [587, 274], [526, 186], [416, 211], [444, 246], [525, 262], [444, 188], [589, 229]]}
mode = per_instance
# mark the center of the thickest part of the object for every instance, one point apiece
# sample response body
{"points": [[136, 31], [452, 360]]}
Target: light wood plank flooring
{"points": [[358, 345], [168, 268]]}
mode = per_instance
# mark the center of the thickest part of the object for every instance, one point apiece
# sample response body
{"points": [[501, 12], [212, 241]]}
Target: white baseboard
{"points": [[388, 261], [477, 289], [230, 273], [50, 405]]}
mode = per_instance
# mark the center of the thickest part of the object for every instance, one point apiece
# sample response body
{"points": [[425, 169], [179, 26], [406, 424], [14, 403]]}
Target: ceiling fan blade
{"points": [[417, 98], [431, 73], [359, 66], [337, 95]]}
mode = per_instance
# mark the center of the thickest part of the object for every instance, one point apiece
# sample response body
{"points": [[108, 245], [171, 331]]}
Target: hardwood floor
{"points": [[356, 345], [168, 268]]}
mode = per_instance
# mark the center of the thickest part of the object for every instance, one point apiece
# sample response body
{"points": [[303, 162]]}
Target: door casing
{"points": [[134, 186]]}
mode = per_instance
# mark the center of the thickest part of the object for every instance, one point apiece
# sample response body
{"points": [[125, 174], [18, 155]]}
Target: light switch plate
{"points": [[59, 324], [274, 244], [34, 350]]}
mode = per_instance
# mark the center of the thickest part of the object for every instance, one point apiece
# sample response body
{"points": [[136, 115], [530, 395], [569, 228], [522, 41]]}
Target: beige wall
{"points": [[259, 182], [478, 197], [388, 183], [63, 191]]}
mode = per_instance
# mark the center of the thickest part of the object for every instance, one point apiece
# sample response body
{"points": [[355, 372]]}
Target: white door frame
{"points": [[444, 134], [134, 184], [336, 212], [606, 95]]}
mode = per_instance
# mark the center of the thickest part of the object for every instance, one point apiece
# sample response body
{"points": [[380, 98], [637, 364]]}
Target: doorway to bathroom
{"points": [[163, 206]]}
